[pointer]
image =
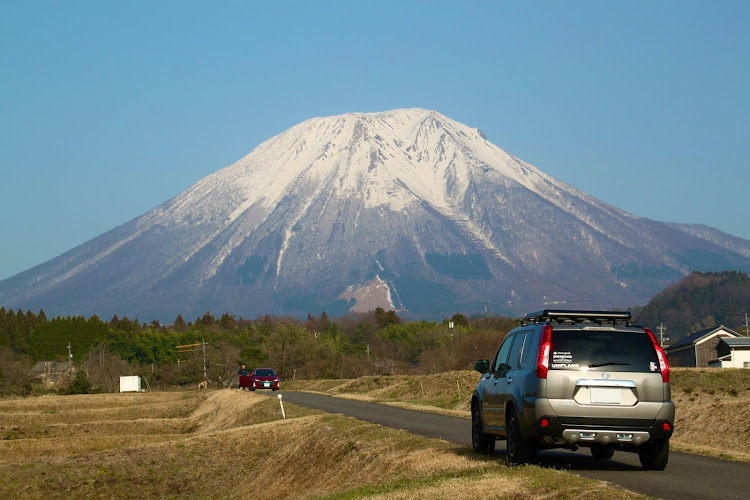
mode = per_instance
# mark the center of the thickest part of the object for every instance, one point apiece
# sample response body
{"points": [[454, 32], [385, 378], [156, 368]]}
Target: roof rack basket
{"points": [[562, 317]]}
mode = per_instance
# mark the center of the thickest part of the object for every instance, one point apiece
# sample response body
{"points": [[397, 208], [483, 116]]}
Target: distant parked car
{"points": [[264, 378]]}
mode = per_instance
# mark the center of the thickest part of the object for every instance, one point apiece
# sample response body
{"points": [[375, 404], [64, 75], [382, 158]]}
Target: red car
{"points": [[264, 378]]}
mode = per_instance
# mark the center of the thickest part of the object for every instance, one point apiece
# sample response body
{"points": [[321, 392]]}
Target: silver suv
{"points": [[565, 379]]}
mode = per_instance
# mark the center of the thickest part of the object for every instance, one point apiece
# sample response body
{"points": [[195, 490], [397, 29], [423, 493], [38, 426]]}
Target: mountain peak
{"points": [[404, 209]]}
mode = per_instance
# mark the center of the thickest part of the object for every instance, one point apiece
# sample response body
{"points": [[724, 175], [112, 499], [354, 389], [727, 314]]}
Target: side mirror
{"points": [[482, 366]]}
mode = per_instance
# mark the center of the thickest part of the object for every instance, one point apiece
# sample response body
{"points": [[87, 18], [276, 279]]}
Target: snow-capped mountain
{"points": [[407, 210]]}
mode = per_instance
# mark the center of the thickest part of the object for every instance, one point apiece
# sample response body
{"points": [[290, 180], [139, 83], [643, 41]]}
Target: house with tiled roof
{"points": [[53, 372], [700, 348], [733, 353]]}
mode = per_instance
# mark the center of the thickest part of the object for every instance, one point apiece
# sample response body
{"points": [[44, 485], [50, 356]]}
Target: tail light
{"points": [[542, 362], [663, 365]]}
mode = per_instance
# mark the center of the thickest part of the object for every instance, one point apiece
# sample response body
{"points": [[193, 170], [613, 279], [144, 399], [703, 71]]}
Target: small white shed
{"points": [[130, 384]]}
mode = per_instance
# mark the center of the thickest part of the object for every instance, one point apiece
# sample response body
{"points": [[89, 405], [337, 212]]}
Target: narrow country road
{"points": [[686, 477]]}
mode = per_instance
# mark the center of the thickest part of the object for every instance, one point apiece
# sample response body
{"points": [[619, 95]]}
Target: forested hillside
{"points": [[377, 342], [700, 301]]}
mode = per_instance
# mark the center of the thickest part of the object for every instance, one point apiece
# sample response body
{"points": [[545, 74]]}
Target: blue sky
{"points": [[108, 109]]}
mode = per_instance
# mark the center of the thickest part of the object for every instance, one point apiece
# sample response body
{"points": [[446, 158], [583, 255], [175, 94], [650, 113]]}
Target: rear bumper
{"points": [[264, 384], [613, 431], [601, 429]]}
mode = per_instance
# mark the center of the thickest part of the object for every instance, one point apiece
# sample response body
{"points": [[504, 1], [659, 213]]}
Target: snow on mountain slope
{"points": [[406, 207]]}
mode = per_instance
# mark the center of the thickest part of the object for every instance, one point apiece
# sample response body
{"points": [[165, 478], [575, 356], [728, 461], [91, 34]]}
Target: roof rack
{"points": [[562, 317]]}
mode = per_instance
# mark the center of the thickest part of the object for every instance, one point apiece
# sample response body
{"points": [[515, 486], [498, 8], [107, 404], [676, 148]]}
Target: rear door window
{"points": [[602, 351], [514, 360]]}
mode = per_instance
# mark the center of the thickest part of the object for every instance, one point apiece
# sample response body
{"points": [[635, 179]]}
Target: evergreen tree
{"points": [[206, 320], [459, 319], [227, 321], [179, 323]]}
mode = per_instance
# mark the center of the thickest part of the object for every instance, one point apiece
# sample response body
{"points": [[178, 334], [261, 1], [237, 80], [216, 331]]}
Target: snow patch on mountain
{"points": [[370, 296]]}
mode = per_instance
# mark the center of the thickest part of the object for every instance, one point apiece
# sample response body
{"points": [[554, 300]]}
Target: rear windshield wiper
{"points": [[607, 363]]}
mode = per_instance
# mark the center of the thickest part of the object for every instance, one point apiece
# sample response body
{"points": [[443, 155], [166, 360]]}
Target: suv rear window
{"points": [[602, 351]]}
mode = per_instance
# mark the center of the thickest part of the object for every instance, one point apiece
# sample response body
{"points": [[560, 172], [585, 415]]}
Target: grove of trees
{"points": [[376, 342]]}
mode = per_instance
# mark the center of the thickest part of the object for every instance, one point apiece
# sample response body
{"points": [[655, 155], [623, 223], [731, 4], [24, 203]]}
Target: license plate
{"points": [[266, 384], [606, 395]]}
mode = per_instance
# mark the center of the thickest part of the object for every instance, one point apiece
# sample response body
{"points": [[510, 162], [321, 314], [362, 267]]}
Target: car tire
{"points": [[519, 450], [601, 452], [480, 442], [654, 455], [252, 389]]}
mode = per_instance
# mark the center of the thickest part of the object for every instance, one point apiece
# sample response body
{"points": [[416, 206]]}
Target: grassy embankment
{"points": [[712, 405], [230, 444]]}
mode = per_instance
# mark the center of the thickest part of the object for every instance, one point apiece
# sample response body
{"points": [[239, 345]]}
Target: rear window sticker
{"points": [[653, 366], [562, 357]]}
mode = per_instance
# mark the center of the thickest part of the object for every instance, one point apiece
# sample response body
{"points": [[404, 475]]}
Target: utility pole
{"points": [[747, 327], [70, 354], [368, 352], [204, 359], [192, 348], [661, 333]]}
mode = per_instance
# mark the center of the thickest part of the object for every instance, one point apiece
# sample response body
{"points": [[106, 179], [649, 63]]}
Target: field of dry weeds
{"points": [[231, 444]]}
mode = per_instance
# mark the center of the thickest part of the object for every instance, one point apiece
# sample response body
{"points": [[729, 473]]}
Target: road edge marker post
{"points": [[282, 406]]}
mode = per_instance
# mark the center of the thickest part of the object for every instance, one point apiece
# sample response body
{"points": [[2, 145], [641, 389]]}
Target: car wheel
{"points": [[481, 442], [654, 454], [601, 452], [252, 389], [519, 451]]}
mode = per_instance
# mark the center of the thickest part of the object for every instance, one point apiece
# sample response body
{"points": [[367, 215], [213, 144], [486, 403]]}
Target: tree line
{"points": [[376, 342]]}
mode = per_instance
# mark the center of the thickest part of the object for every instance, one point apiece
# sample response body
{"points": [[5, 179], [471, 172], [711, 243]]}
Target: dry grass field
{"points": [[712, 412], [712, 405], [231, 444]]}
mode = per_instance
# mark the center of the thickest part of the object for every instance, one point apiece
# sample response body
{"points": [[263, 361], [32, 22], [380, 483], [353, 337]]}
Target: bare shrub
{"points": [[15, 372], [222, 363], [462, 354], [104, 369]]}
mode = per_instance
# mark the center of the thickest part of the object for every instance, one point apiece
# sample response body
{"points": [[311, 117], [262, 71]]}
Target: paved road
{"points": [[686, 476]]}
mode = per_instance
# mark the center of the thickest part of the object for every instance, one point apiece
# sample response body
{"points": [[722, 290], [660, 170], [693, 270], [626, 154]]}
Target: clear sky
{"points": [[108, 109]]}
